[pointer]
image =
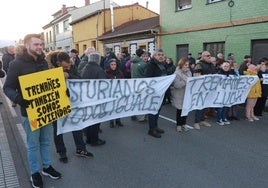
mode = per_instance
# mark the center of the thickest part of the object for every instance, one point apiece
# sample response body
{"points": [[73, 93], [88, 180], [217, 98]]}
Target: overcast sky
{"points": [[20, 17]]}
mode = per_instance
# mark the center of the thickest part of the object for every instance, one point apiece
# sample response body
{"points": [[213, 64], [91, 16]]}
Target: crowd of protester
{"points": [[142, 64]]}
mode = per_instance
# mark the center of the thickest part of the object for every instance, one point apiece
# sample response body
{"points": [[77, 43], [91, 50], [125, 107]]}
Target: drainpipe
{"points": [[112, 14], [97, 30], [104, 16]]}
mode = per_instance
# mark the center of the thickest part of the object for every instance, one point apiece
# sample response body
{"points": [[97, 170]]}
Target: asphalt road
{"points": [[232, 156]]}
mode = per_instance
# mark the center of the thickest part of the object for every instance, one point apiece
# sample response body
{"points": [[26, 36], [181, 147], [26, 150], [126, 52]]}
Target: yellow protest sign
{"points": [[47, 92]]}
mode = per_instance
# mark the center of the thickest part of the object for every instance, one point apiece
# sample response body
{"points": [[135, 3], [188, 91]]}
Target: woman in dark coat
{"points": [[113, 72]]}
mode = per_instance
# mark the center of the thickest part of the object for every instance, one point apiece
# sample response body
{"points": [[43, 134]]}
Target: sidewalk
{"points": [[8, 175]]}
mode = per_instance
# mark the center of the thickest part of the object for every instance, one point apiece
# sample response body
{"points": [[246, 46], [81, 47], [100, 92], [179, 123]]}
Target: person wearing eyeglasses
{"points": [[203, 67]]}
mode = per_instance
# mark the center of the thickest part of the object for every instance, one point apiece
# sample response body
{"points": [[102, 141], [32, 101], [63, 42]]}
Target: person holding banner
{"points": [[30, 59], [203, 67], [62, 59], [113, 72], [222, 111], [254, 94], [93, 70], [177, 92], [232, 111], [155, 68]]}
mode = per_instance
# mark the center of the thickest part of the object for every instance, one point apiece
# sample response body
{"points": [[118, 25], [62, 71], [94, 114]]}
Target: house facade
{"points": [[133, 35], [219, 26], [58, 33], [88, 29]]}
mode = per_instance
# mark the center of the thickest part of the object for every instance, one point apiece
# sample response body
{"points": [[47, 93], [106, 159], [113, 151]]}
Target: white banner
{"points": [[98, 100], [216, 91]]}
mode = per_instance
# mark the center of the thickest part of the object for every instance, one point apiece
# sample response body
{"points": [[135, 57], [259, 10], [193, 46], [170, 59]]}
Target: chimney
{"points": [[87, 2], [147, 4], [63, 9]]}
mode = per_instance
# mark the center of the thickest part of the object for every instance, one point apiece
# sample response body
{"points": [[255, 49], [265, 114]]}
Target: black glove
{"points": [[22, 102], [68, 92]]}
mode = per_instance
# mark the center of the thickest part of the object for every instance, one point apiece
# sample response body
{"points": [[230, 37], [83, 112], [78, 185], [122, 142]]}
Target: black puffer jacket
{"points": [[155, 69], [22, 64], [204, 68]]}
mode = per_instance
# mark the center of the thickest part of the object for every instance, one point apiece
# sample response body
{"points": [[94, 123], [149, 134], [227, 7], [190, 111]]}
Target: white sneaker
{"points": [[184, 128], [250, 119], [226, 122], [188, 126], [255, 118], [220, 122]]}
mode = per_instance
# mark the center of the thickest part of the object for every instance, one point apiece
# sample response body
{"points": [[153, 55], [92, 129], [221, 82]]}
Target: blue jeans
{"points": [[37, 141], [221, 113]]}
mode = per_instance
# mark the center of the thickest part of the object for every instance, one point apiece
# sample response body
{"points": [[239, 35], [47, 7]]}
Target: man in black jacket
{"points": [[30, 59], [155, 68]]}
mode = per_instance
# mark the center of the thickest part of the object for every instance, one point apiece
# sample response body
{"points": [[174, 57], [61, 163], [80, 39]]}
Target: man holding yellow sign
{"points": [[30, 59]]}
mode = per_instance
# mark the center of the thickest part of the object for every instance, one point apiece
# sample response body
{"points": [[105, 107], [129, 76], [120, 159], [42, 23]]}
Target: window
{"points": [[143, 47], [66, 25], [258, 49], [182, 51], [94, 43], [47, 40], [57, 29], [214, 1], [124, 49], [214, 48], [84, 47], [50, 36], [183, 4]]}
